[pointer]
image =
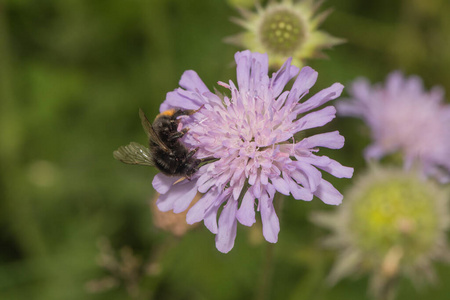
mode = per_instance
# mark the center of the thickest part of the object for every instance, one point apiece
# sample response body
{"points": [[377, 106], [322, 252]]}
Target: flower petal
{"points": [[210, 219], [246, 212], [281, 185], [297, 191], [269, 218], [237, 189], [188, 193], [180, 98], [374, 151], [251, 68], [328, 194], [192, 82], [331, 140], [311, 175], [162, 183], [315, 119], [320, 98], [178, 197], [349, 108], [227, 227], [282, 77], [328, 165], [198, 211], [304, 81]]}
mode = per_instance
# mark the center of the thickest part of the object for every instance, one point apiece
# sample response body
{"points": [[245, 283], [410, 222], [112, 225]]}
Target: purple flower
{"points": [[251, 136], [404, 118]]}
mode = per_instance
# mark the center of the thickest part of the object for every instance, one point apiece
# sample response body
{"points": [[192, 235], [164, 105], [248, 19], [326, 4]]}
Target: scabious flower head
{"points": [[284, 29], [392, 224], [251, 136], [404, 118]]}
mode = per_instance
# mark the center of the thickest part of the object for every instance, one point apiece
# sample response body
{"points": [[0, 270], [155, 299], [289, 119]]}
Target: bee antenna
{"points": [[198, 109]]}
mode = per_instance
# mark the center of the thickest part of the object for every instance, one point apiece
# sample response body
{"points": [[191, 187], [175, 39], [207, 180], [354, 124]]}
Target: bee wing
{"points": [[134, 154], [151, 132]]}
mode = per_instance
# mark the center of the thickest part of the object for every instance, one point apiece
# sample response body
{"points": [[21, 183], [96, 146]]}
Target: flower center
{"points": [[282, 31]]}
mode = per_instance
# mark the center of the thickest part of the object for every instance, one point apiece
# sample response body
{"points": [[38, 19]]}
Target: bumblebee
{"points": [[166, 152]]}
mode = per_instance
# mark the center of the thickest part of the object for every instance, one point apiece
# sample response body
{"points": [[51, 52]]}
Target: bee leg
{"points": [[192, 165], [192, 171], [191, 111], [191, 153], [208, 159], [177, 135]]}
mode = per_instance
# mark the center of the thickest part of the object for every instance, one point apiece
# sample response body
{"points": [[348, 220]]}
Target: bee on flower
{"points": [[246, 147]]}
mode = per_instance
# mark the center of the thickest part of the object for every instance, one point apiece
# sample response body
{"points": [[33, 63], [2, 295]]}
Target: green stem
{"points": [[265, 279]]}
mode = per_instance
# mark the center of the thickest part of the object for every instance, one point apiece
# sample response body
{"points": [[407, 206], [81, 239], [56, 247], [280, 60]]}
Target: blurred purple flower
{"points": [[251, 136], [404, 118]]}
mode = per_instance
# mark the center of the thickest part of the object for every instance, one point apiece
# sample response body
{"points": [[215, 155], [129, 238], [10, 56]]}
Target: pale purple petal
{"points": [[238, 186], [210, 219], [192, 82], [260, 67], [312, 175], [315, 119], [374, 151], [298, 192], [362, 88], [191, 98], [331, 140], [328, 194], [280, 185], [305, 80], [183, 202], [328, 165], [251, 69], [246, 212], [162, 183], [282, 77], [199, 209], [181, 99], [270, 222], [349, 109], [395, 81], [243, 62], [179, 197], [320, 98], [263, 60], [338, 170], [437, 94], [227, 227]]}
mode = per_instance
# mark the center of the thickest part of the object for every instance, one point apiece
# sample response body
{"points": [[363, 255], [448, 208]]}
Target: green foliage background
{"points": [[73, 74]]}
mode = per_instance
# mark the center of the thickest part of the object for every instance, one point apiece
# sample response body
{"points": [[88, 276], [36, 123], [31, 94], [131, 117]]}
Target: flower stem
{"points": [[265, 279]]}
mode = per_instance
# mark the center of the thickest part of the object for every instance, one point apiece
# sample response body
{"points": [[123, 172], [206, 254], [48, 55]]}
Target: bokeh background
{"points": [[76, 224]]}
